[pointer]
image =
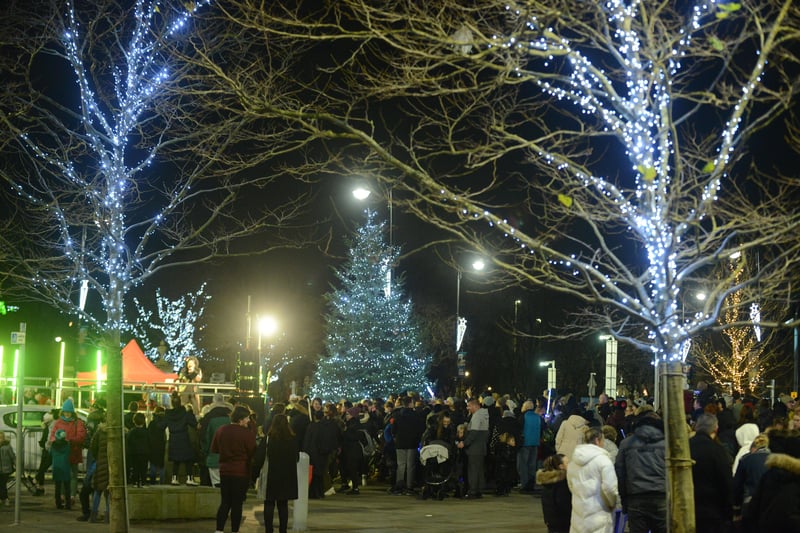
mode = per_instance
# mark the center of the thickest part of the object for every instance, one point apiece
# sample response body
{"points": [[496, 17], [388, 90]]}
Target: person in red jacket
{"points": [[236, 444], [75, 431]]}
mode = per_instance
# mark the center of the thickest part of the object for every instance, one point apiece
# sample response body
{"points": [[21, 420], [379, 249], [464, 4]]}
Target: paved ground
{"points": [[373, 511]]}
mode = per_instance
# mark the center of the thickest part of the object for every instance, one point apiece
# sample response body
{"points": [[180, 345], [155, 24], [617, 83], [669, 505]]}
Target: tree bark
{"points": [[679, 459]]}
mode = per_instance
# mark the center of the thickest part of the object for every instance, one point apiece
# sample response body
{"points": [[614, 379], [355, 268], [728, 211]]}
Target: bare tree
{"points": [[112, 174], [594, 148]]}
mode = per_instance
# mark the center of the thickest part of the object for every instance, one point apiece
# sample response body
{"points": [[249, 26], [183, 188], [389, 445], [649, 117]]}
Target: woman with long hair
{"points": [[236, 444], [282, 457]]}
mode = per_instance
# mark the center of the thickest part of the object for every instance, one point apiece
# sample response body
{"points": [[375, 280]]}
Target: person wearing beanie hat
{"points": [[75, 434]]}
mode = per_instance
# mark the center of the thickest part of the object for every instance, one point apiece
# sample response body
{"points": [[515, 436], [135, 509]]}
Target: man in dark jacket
{"points": [[407, 431], [712, 476], [642, 475]]}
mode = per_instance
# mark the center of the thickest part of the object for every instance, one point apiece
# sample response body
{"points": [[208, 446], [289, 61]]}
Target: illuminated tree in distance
{"points": [[748, 352], [373, 341], [177, 322]]}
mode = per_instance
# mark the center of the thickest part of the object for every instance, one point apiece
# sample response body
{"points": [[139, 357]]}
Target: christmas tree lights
{"points": [[373, 346]]}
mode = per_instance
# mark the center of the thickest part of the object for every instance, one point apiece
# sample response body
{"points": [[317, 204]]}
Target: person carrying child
{"points": [[62, 470]]}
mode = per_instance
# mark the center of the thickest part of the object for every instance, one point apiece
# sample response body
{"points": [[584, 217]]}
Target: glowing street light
{"points": [[611, 365], [551, 381], [267, 326]]}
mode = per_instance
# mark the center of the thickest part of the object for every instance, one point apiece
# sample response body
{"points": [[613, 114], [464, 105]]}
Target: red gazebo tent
{"points": [[136, 368]]}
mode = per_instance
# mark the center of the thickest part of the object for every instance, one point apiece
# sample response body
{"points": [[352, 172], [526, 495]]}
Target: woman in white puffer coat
{"points": [[593, 483]]}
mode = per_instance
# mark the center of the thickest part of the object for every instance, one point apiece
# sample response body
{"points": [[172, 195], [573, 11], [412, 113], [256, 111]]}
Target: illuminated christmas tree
{"points": [[372, 341]]}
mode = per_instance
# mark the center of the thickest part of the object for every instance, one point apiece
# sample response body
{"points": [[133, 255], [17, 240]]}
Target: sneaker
{"points": [[330, 492], [174, 481], [191, 483]]}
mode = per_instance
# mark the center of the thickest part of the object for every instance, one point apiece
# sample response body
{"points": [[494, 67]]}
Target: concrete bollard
{"points": [[300, 512]]}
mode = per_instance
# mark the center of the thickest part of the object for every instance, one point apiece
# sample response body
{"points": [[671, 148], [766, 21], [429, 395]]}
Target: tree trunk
{"points": [[116, 458], [679, 459]]}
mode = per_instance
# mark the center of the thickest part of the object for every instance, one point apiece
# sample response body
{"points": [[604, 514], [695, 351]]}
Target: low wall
{"points": [[165, 502]]}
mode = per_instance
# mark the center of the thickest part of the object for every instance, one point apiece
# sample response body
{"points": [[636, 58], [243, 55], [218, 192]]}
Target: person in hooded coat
{"points": [[593, 482], [776, 504], [180, 449], [571, 432], [75, 431], [642, 475], [712, 478], [157, 440], [745, 436], [556, 497]]}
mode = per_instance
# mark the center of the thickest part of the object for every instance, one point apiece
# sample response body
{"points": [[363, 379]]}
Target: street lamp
{"points": [[611, 365], [267, 326], [461, 323], [362, 193], [551, 381]]}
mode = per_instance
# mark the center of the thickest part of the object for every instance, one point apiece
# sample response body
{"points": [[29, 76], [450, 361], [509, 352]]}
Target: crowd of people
{"points": [[595, 466]]}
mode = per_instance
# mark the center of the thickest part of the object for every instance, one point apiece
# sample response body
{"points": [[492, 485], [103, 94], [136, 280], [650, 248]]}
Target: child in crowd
{"points": [[8, 461], [460, 463], [556, 497], [62, 471], [505, 466], [138, 447]]}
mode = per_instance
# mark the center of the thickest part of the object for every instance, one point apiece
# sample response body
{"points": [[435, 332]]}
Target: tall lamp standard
{"points": [[267, 326], [611, 365], [461, 322], [551, 381]]}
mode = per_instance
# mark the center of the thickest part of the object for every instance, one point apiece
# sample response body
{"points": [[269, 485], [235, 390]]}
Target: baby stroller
{"points": [[437, 469]]}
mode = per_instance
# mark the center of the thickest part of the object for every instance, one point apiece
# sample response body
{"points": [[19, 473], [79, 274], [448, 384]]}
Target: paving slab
{"points": [[372, 511]]}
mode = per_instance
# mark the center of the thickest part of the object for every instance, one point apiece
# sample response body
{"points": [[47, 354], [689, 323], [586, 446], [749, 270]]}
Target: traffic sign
{"points": [[17, 337]]}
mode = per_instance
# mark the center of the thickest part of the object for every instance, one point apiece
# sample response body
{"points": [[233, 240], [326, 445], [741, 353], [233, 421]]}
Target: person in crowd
{"points": [[763, 415], [610, 435], [713, 481], [642, 476], [157, 442], [745, 435], [137, 448], [45, 461], [100, 480], [460, 462], [527, 456], [751, 468], [570, 433], [189, 376], [133, 408], [62, 475], [353, 462], [180, 449], [775, 506], [727, 427], [216, 417], [281, 473], [475, 444], [8, 461], [316, 412], [593, 483], [299, 419], [556, 497], [321, 441], [505, 464], [445, 430], [85, 495], [429, 435], [236, 444], [75, 431], [406, 431]]}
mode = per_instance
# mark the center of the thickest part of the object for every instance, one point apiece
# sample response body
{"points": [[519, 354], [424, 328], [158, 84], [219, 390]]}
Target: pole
{"points": [[20, 466], [680, 496]]}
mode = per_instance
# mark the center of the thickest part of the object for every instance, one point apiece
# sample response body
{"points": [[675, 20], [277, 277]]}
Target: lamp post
{"points": [[361, 194], [461, 322], [611, 365], [551, 381], [267, 326]]}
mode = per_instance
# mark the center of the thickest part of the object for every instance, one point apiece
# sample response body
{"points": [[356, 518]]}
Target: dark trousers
{"points": [[233, 491], [283, 515], [647, 512], [139, 469], [44, 464], [65, 487], [475, 473], [4, 487]]}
